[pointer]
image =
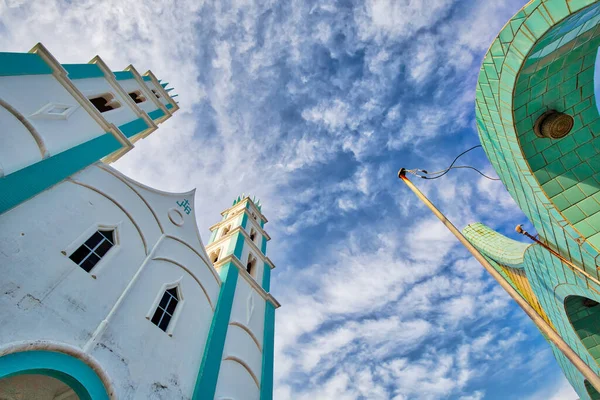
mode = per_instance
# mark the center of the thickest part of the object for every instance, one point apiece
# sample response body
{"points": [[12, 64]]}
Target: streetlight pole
{"points": [[542, 325]]}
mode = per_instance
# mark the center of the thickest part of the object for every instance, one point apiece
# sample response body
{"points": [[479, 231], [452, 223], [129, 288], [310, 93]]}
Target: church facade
{"points": [[538, 121], [107, 289]]}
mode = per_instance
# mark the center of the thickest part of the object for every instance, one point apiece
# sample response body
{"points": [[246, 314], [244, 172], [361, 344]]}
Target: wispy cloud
{"points": [[313, 107]]}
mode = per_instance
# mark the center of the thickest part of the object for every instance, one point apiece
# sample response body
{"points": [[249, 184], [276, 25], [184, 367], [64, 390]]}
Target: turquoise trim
{"points": [[156, 114], [266, 280], [70, 370], [23, 64], [213, 235], [169, 106], [83, 71], [29, 181], [123, 75], [134, 127], [263, 246], [213, 352], [262, 223], [164, 85], [266, 384], [169, 89], [239, 246], [146, 78], [244, 221]]}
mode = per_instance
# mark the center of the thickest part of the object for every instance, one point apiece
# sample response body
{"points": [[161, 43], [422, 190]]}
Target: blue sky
{"points": [[313, 106]]}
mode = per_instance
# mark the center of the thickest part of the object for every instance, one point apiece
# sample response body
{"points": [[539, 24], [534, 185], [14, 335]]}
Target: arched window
{"points": [[250, 265], [105, 102], [584, 314], [226, 230], [254, 215], [137, 96], [156, 94], [252, 234], [90, 252], [166, 309], [214, 256]]}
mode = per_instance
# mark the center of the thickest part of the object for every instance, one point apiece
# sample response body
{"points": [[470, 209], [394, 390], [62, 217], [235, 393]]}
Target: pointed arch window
{"points": [[250, 265], [166, 308], [94, 248], [252, 234], [136, 96], [226, 230], [214, 256], [105, 102]]}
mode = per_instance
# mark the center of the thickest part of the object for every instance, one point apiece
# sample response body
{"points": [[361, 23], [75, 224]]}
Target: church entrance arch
{"points": [[48, 374]]}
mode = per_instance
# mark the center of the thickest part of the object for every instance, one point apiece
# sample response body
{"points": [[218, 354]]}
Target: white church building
{"points": [[106, 288]]}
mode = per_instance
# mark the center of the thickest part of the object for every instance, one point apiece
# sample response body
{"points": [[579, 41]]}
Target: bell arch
{"points": [[593, 393], [584, 315]]}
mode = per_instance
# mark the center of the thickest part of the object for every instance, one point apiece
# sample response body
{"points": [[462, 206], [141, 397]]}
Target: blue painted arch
{"points": [[70, 370]]}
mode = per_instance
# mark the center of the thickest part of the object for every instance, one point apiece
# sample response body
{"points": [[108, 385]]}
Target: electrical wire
{"points": [[463, 166], [439, 174]]}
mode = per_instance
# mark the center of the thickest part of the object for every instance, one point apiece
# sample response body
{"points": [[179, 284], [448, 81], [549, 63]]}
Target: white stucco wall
{"points": [[18, 148], [29, 93], [235, 381], [49, 297]]}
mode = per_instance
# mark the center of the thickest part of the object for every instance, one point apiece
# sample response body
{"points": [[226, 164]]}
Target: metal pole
{"points": [[542, 325]]}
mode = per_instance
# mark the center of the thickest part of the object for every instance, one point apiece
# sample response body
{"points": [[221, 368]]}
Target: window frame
{"points": [[175, 317], [84, 236]]}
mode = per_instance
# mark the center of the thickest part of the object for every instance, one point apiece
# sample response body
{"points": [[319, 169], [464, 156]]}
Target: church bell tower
{"points": [[240, 344]]}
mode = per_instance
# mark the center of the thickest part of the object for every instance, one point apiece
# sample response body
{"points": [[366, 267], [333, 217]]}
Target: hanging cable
{"points": [[463, 166], [438, 174]]}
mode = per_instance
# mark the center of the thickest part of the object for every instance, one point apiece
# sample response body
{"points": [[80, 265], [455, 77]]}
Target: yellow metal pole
{"points": [[542, 325]]}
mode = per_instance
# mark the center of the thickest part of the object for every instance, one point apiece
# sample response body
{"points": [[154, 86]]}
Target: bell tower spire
{"points": [[245, 311]]}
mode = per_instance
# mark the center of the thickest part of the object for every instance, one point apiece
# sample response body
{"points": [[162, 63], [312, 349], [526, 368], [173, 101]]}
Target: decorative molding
{"points": [[120, 177], [207, 262], [191, 274], [178, 306], [249, 332], [242, 272], [44, 112], [246, 366], [76, 352], [34, 133], [110, 77], [61, 75], [118, 205], [219, 242]]}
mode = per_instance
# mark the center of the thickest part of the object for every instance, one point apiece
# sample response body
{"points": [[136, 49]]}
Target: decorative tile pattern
{"points": [[544, 59]]}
